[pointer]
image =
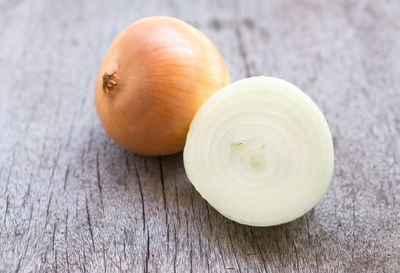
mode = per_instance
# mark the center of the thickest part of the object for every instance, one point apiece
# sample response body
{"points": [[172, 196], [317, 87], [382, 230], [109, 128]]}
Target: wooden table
{"points": [[72, 200]]}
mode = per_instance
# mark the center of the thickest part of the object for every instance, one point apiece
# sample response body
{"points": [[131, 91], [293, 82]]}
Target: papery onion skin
{"points": [[154, 77]]}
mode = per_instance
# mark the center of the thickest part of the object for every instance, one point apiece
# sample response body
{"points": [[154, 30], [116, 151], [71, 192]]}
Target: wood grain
{"points": [[71, 200]]}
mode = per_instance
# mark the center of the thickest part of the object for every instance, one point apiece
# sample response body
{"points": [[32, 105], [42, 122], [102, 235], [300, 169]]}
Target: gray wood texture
{"points": [[71, 200]]}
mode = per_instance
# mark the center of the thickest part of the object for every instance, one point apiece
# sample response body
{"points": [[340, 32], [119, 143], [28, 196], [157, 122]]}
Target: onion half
{"points": [[260, 152]]}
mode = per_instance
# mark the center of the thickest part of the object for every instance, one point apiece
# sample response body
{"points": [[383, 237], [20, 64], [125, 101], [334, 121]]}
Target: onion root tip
{"points": [[109, 82]]}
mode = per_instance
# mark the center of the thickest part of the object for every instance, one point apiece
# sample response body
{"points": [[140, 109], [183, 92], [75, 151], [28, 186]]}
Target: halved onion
{"points": [[260, 152]]}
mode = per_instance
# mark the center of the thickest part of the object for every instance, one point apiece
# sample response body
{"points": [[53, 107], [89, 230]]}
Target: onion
{"points": [[154, 77], [260, 152]]}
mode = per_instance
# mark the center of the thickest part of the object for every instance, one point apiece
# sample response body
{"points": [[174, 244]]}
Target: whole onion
{"points": [[154, 77]]}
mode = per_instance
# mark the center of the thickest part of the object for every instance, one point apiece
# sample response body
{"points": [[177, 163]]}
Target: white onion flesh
{"points": [[260, 152]]}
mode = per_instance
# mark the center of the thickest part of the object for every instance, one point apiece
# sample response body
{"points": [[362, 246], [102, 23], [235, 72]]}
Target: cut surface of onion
{"points": [[260, 152]]}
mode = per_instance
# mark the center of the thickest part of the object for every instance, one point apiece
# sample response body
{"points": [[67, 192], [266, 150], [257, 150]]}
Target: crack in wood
{"points": [[99, 180], [146, 268], [6, 210], [163, 190], [53, 236], [208, 216], [89, 223], [127, 162], [258, 248], [124, 242], [220, 252], [104, 258], [55, 261], [277, 246], [176, 250], [233, 249], [28, 191], [48, 209], [141, 199], [167, 240], [177, 202], [191, 257], [66, 176]]}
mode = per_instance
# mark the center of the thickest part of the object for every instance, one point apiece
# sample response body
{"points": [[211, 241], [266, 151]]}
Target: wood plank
{"points": [[72, 200]]}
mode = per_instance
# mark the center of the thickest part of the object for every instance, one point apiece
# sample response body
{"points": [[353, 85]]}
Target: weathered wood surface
{"points": [[72, 200]]}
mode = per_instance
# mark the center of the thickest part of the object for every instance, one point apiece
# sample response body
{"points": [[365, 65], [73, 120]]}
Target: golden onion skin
{"points": [[154, 77]]}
